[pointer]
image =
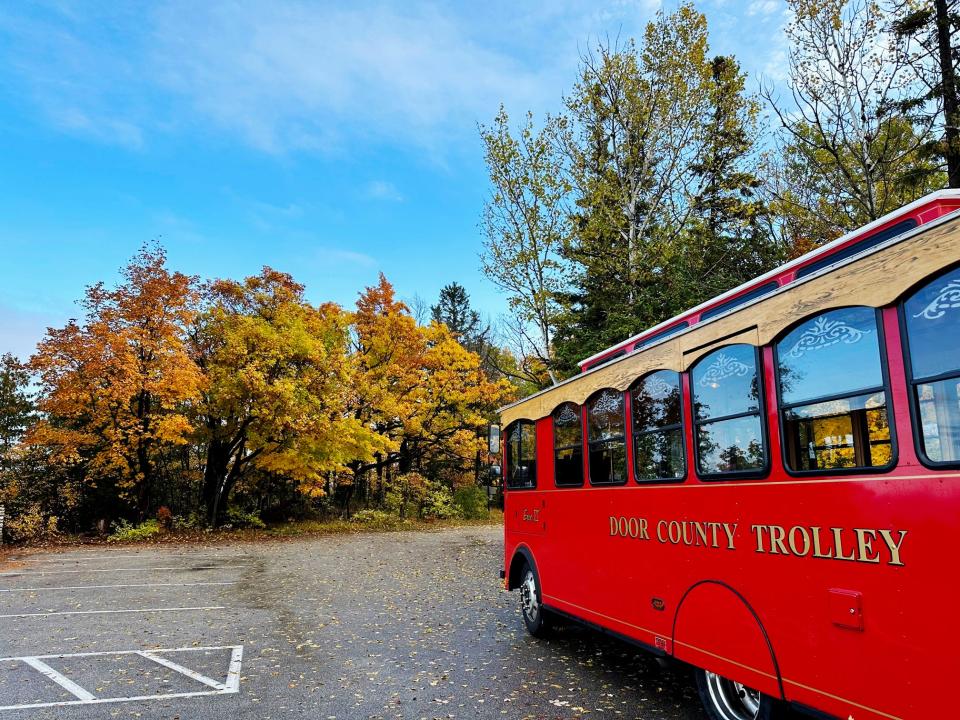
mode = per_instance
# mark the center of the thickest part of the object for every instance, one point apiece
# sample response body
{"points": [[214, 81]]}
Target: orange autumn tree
{"points": [[419, 388], [278, 376], [114, 386]]}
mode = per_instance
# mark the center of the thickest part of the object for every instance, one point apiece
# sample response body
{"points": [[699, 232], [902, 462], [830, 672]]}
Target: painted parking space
{"points": [[44, 681], [377, 626], [151, 628]]}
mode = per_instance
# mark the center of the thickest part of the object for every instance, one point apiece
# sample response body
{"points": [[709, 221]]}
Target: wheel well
{"points": [[708, 599], [521, 557]]}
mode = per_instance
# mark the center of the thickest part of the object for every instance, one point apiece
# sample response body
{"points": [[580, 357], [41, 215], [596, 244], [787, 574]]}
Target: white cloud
{"points": [[384, 190], [111, 130], [296, 75], [777, 66], [339, 256], [288, 75], [763, 7]]}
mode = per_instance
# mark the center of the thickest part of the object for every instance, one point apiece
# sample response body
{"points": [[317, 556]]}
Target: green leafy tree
{"points": [[726, 240], [35, 492], [634, 135], [17, 410], [453, 309], [525, 227], [848, 154], [929, 30]]}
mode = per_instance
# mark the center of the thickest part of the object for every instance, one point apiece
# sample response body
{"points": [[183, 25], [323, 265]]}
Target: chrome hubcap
{"points": [[528, 597], [732, 700]]}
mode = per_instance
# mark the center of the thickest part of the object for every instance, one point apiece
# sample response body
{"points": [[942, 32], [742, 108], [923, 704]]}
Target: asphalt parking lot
{"points": [[393, 625]]}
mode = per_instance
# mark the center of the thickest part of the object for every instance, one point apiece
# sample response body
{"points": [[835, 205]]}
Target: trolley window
{"points": [[606, 426], [833, 400], [657, 427], [932, 317], [728, 428], [568, 445], [522, 455]]}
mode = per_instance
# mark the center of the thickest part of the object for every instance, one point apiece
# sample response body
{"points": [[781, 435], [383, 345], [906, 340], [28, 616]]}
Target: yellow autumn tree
{"points": [[114, 385], [278, 384], [452, 405]]}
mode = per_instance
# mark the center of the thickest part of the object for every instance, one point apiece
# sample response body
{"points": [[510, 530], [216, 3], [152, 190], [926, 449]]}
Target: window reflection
{"points": [[522, 455], [734, 445], [940, 419], [725, 383], [568, 445], [831, 389], [932, 316], [657, 429], [726, 400], [607, 438]]}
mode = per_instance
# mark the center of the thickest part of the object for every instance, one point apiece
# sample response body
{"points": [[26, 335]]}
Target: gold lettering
{"points": [[634, 527], [701, 532], [613, 526], [838, 545], [661, 535], [623, 526], [713, 526], [816, 545], [674, 537], [683, 529], [777, 534], [730, 530], [894, 547], [643, 529], [865, 551], [792, 539], [758, 530]]}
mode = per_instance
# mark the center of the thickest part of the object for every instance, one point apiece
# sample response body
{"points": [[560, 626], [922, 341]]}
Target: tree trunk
{"points": [[146, 480], [214, 476], [951, 107]]}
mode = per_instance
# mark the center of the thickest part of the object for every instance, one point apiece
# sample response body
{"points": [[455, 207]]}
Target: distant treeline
{"points": [[239, 400]]}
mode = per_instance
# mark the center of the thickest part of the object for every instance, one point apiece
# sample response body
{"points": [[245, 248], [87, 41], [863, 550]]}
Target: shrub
{"points": [[30, 524], [127, 532], [240, 519], [374, 518], [165, 517], [471, 502], [193, 521], [438, 504]]}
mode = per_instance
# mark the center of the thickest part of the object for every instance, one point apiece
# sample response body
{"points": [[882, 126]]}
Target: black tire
{"points": [[725, 699], [535, 617]]}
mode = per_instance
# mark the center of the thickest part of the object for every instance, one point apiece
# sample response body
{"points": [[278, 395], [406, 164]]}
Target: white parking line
{"points": [[106, 587], [231, 684], [66, 683], [160, 660], [137, 569], [142, 556], [106, 653], [114, 612]]}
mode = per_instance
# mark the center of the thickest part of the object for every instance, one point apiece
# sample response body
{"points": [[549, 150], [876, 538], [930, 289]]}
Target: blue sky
{"points": [[329, 140]]}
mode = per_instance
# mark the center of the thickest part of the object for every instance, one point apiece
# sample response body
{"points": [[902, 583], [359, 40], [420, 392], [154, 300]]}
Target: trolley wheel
{"points": [[725, 699], [535, 617]]}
